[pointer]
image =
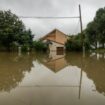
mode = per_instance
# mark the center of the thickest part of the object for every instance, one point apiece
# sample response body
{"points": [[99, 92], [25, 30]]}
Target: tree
{"points": [[26, 38], [40, 46], [91, 34], [13, 31], [95, 31], [100, 20], [74, 43]]}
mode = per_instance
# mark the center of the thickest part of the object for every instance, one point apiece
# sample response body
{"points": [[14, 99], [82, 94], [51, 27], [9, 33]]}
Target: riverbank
{"points": [[100, 50]]}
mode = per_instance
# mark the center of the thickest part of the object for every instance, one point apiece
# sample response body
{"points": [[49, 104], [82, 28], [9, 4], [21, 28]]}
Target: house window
{"points": [[60, 51], [60, 48]]}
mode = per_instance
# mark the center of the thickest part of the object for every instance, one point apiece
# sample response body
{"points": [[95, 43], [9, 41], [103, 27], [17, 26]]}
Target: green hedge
{"points": [[40, 46]]}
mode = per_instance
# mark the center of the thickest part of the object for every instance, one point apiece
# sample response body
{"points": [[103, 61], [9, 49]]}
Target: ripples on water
{"points": [[52, 79]]}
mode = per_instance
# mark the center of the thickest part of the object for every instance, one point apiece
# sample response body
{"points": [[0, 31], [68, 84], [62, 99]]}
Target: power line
{"points": [[38, 17]]}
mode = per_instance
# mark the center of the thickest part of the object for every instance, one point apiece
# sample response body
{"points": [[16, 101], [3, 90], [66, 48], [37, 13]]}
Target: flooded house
{"points": [[56, 40]]}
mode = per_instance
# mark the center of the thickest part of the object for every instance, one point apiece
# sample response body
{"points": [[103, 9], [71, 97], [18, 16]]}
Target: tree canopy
{"points": [[95, 31], [13, 31]]}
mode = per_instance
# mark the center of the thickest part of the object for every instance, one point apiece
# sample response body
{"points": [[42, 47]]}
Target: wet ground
{"points": [[52, 79]]}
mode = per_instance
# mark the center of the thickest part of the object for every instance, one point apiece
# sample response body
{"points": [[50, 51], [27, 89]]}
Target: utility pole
{"points": [[83, 49], [80, 16], [81, 26]]}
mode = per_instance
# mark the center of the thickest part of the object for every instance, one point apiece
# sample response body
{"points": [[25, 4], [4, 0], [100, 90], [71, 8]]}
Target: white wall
{"points": [[54, 45]]}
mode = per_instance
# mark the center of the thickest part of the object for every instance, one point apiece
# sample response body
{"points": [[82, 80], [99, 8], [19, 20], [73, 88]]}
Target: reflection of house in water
{"points": [[93, 67], [56, 61]]}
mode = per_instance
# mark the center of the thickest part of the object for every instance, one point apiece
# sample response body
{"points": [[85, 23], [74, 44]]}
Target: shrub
{"points": [[24, 48], [40, 46], [74, 43]]}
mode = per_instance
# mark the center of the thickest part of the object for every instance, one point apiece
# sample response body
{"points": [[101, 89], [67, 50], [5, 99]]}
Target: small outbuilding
{"points": [[56, 40]]}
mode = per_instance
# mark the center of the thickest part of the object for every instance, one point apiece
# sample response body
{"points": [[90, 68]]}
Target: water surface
{"points": [[52, 79]]}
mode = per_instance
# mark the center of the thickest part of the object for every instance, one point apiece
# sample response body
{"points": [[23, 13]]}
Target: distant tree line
{"points": [[13, 34], [93, 35]]}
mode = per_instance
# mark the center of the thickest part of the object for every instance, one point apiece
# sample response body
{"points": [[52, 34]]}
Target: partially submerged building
{"points": [[56, 40]]}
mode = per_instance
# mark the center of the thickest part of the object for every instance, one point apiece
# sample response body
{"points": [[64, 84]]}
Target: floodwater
{"points": [[52, 79]]}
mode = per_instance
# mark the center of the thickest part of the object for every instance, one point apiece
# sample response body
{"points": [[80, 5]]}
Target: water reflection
{"points": [[56, 61], [93, 67], [45, 75], [12, 69], [95, 70]]}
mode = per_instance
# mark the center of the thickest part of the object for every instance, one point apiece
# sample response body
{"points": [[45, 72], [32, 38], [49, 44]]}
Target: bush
{"points": [[24, 48], [74, 43], [73, 46], [40, 46]]}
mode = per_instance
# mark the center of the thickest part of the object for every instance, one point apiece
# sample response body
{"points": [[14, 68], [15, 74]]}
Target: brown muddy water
{"points": [[52, 79]]}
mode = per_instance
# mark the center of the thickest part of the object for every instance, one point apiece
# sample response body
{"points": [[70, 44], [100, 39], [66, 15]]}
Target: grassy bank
{"points": [[100, 50]]}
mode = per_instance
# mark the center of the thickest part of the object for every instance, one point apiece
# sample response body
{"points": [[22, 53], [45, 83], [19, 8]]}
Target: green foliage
{"points": [[12, 30], [26, 38], [74, 43], [25, 48], [91, 33], [40, 46], [95, 31]]}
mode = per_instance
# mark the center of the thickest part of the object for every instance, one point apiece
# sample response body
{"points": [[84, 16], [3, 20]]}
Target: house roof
{"points": [[58, 38]]}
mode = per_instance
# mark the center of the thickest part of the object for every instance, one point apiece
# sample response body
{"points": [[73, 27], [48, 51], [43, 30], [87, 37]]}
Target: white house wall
{"points": [[53, 55], [54, 45]]}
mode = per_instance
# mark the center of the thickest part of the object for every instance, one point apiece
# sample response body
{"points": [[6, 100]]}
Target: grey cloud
{"points": [[53, 8]]}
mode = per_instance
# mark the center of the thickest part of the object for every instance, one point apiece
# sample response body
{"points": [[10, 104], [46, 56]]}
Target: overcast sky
{"points": [[53, 8]]}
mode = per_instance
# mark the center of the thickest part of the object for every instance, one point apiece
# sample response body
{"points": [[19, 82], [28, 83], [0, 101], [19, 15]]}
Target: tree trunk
{"points": [[102, 45], [96, 45]]}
